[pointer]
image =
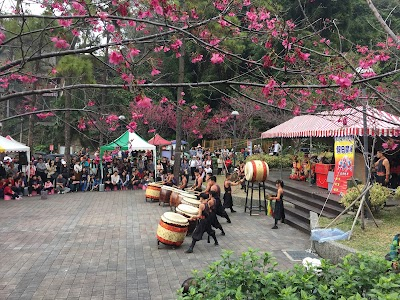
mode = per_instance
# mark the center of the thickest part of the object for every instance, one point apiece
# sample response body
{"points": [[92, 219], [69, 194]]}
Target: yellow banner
{"points": [[344, 163]]}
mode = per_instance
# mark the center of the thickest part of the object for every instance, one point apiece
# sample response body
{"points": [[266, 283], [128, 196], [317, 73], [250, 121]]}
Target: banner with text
{"points": [[344, 163]]}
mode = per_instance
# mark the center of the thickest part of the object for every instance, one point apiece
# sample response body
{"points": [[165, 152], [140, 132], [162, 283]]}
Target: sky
{"points": [[7, 6]]}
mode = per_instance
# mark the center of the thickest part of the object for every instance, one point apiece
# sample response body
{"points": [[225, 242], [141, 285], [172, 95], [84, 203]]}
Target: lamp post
{"points": [[234, 114], [122, 118]]}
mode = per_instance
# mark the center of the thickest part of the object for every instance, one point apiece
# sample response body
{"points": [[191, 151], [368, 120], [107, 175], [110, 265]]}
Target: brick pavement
{"points": [[103, 246]]}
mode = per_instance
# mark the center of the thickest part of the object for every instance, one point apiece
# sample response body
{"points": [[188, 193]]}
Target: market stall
{"points": [[343, 125], [9, 145]]}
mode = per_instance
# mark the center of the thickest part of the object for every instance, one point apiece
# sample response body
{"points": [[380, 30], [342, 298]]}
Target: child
{"points": [[48, 186], [9, 192]]}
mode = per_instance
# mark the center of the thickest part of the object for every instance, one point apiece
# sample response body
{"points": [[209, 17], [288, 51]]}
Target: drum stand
{"points": [[261, 206]]}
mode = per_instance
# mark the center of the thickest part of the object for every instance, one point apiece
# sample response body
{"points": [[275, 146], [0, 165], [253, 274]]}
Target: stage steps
{"points": [[303, 199]]}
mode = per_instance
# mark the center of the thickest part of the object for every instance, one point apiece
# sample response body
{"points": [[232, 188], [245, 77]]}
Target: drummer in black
{"points": [[279, 211], [382, 168], [213, 186], [203, 218], [228, 201]]}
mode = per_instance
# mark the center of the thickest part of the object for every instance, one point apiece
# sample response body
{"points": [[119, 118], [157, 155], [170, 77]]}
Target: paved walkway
{"points": [[103, 246]]}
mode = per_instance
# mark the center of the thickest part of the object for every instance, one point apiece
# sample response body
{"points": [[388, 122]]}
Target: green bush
{"points": [[397, 193], [252, 276], [378, 195], [274, 162]]}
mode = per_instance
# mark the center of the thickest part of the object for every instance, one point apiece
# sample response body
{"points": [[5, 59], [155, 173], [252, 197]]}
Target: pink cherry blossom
{"points": [[65, 22], [2, 37], [110, 28], [257, 107], [143, 101], [115, 58], [194, 107], [217, 58], [207, 109], [164, 100], [151, 130], [296, 110], [176, 45], [155, 72], [133, 52], [103, 15], [81, 124], [60, 43], [131, 126], [91, 103], [181, 102], [111, 119], [197, 58], [195, 131], [282, 103]]}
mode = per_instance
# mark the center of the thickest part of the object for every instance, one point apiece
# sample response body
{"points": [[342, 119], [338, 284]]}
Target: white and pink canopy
{"points": [[342, 122]]}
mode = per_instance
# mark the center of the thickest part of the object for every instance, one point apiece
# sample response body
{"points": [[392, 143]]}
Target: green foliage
{"points": [[72, 65], [397, 193], [273, 162], [378, 195], [254, 276]]}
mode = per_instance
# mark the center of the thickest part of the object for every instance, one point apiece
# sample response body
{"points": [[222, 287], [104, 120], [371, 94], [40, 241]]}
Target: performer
{"points": [[198, 181], [382, 169], [203, 224], [184, 182], [228, 201], [219, 209], [279, 212]]}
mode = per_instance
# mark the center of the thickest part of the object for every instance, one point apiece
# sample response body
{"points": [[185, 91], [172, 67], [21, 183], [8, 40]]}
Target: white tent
{"points": [[8, 144]]}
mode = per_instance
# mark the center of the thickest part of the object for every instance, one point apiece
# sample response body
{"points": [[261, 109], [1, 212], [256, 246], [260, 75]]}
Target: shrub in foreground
{"points": [[254, 276]]}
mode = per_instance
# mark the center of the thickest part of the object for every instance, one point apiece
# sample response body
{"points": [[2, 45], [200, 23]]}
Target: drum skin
{"points": [[172, 229], [256, 171], [165, 194], [153, 192], [174, 199], [190, 201], [188, 211]]}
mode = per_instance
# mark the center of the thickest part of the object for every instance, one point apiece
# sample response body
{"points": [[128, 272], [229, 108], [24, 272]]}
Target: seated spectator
{"points": [[48, 186], [95, 184], [9, 192], [135, 180], [124, 179], [115, 180], [74, 184], [84, 179], [107, 181], [61, 185], [19, 186], [35, 184]]}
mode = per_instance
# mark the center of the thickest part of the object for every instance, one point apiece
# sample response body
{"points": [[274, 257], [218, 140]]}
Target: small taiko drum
{"points": [[190, 201], [188, 194], [165, 194], [188, 211], [256, 171], [153, 191], [172, 229], [175, 199]]}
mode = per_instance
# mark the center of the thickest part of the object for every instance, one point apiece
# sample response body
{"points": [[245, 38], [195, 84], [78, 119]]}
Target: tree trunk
{"points": [[67, 121], [181, 78]]}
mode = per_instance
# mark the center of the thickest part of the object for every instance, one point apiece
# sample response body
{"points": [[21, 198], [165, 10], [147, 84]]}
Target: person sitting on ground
{"points": [[61, 183], [95, 184], [394, 254], [34, 185], [74, 184], [48, 186], [9, 192], [115, 180], [19, 185]]}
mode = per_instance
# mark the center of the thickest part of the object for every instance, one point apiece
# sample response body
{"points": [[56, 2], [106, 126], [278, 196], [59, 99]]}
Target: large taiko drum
{"points": [[153, 191], [172, 229], [256, 171], [165, 194], [175, 199], [188, 211], [188, 194], [190, 201]]}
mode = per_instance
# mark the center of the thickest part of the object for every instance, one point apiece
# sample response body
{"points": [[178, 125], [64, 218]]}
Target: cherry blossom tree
{"points": [[235, 49]]}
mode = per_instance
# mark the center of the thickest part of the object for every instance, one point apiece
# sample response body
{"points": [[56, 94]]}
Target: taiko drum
{"points": [[153, 192], [256, 171], [172, 229], [165, 194], [188, 211]]}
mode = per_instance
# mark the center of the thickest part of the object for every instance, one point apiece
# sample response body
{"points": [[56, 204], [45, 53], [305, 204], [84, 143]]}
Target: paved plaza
{"points": [[102, 245]]}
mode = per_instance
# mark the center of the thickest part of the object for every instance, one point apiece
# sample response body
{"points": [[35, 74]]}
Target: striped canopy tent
{"points": [[343, 122]]}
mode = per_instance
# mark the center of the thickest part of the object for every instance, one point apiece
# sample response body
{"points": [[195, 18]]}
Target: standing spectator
{"points": [[193, 166], [220, 165], [277, 148]]}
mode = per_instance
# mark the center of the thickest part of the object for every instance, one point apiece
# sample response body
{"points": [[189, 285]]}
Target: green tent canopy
{"points": [[129, 141]]}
